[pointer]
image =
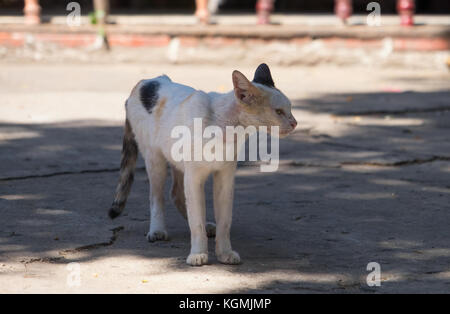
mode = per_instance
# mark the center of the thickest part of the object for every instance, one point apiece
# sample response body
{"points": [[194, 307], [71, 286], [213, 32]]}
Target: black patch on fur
{"points": [[149, 95], [263, 76]]}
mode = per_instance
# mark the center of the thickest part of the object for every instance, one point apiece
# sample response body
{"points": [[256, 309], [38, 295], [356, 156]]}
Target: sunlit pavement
{"points": [[365, 178]]}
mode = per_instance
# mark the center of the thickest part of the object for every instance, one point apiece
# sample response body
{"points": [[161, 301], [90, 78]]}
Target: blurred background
{"points": [[233, 6], [285, 32]]}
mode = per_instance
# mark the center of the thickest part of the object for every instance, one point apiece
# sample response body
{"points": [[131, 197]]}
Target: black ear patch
{"points": [[263, 76]]}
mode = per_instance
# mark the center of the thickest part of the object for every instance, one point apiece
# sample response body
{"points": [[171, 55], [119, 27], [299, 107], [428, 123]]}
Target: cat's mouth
{"points": [[282, 132], [286, 132]]}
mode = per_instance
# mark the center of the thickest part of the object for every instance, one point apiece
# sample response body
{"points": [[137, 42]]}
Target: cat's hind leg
{"points": [[177, 193], [156, 166], [179, 199], [210, 229]]}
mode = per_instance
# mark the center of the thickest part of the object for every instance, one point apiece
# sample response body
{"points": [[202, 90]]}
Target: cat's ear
{"points": [[244, 90], [263, 76]]}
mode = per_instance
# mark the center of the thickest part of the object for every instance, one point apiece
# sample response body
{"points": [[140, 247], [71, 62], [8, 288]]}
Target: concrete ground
{"points": [[365, 178]]}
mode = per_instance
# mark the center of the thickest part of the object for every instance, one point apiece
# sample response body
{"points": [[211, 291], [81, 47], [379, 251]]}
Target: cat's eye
{"points": [[279, 112]]}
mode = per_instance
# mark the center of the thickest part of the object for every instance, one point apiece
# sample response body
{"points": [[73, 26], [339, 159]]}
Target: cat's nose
{"points": [[294, 124]]}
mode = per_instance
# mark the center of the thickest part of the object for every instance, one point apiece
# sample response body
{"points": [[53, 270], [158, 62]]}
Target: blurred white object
{"points": [[213, 5], [172, 52]]}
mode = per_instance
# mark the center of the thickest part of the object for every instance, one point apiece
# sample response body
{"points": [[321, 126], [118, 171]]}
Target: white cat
{"points": [[158, 105]]}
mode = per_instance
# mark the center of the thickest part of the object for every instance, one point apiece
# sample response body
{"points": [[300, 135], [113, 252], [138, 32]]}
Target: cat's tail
{"points": [[127, 166]]}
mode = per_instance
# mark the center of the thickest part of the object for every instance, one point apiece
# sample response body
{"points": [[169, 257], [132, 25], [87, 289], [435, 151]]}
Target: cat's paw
{"points": [[231, 258], [210, 229], [197, 259], [159, 235]]}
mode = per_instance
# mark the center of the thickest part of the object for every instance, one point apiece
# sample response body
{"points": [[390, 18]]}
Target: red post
{"points": [[343, 9], [263, 10], [32, 12], [406, 10]]}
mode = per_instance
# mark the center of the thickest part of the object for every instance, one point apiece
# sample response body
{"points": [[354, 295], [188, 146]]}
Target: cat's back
{"points": [[164, 99], [148, 95], [147, 92], [157, 105]]}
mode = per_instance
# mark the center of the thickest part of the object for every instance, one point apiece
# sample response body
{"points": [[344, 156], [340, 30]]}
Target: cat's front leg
{"points": [[223, 206], [194, 187]]}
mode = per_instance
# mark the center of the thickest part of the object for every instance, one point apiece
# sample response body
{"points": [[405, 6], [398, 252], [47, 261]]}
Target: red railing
{"points": [[343, 9]]}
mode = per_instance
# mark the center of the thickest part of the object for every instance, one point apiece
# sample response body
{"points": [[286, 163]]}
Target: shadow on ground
{"points": [[355, 185]]}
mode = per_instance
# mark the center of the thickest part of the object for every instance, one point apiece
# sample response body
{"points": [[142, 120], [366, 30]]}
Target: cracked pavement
{"points": [[365, 178]]}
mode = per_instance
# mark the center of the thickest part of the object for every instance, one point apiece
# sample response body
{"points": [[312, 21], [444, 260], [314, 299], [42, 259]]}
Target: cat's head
{"points": [[260, 103]]}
